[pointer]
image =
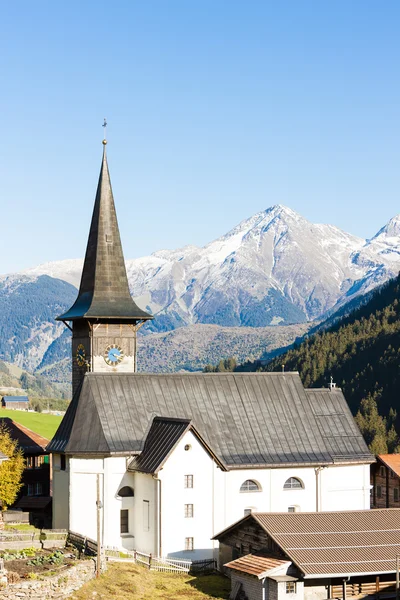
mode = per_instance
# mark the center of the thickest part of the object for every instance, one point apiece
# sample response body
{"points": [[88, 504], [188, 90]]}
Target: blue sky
{"points": [[216, 110]]}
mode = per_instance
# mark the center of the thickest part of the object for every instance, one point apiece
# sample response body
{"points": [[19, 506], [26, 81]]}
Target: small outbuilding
{"points": [[312, 556], [15, 402]]}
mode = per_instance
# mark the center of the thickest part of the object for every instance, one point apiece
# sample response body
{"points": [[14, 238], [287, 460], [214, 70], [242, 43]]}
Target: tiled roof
{"points": [[337, 543], [392, 461], [248, 419], [258, 564], [29, 441]]}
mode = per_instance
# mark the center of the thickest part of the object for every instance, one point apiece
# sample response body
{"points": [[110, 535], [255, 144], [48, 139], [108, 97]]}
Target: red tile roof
{"points": [[392, 461], [257, 564]]}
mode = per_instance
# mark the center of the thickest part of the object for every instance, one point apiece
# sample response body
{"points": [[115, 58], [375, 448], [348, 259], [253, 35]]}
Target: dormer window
{"points": [[293, 483], [250, 486]]}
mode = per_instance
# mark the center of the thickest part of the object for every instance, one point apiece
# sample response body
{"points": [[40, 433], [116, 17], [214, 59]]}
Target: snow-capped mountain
{"points": [[275, 268]]}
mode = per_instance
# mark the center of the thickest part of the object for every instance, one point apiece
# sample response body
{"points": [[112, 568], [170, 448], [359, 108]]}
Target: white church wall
{"points": [[83, 495], [145, 521], [175, 526], [345, 487], [115, 478]]}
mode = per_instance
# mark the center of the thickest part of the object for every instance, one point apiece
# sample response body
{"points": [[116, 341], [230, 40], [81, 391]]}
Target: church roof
{"points": [[246, 419], [104, 290]]}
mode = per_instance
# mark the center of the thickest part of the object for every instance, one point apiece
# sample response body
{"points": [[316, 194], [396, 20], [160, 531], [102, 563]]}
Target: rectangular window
{"points": [[189, 543], [63, 462], [38, 489], [379, 491], [124, 521], [188, 481], [382, 472], [30, 489], [146, 515], [188, 510], [396, 494], [290, 587], [30, 462]]}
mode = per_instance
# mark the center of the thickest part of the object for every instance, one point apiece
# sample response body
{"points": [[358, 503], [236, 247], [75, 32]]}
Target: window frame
{"points": [[251, 487], [30, 489], [288, 485], [189, 511], [38, 489], [396, 494], [379, 491], [189, 544], [290, 587], [188, 479], [124, 521], [146, 515]]}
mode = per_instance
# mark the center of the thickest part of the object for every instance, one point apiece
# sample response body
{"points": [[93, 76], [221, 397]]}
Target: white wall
{"points": [[216, 498], [175, 527]]}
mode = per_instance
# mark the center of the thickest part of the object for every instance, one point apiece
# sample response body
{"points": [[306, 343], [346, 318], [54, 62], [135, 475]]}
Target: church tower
{"points": [[104, 318]]}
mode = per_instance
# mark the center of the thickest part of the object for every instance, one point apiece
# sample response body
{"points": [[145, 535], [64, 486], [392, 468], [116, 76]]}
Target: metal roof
{"points": [[162, 438], [329, 544], [258, 564], [16, 398], [247, 419], [104, 290]]}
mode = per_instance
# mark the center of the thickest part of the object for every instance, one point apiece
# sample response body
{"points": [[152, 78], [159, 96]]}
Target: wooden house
{"points": [[15, 402], [312, 556], [385, 481]]}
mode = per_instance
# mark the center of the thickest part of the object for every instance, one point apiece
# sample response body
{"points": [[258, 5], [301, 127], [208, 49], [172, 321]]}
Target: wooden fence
{"points": [[199, 567], [153, 563], [379, 589]]}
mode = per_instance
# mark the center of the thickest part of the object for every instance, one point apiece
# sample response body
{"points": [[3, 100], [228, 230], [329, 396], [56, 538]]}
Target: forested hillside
{"points": [[361, 352]]}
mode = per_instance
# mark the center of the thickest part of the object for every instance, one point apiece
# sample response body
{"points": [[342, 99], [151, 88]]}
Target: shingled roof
{"points": [[336, 544], [246, 419], [104, 290]]}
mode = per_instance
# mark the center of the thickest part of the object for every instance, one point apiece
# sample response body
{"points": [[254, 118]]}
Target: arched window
{"points": [[250, 486], [126, 492], [293, 484]]}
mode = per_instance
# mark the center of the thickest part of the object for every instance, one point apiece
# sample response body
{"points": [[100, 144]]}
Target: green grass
{"points": [[132, 582], [43, 424], [21, 527]]}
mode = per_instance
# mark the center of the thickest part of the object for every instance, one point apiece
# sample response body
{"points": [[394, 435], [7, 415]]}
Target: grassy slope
{"points": [[45, 425], [132, 582]]}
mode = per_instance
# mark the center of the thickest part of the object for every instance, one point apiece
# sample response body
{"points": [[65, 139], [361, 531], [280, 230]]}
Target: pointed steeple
{"points": [[104, 291]]}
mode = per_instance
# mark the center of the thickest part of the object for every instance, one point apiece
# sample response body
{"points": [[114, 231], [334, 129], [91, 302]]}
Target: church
{"points": [[175, 458]]}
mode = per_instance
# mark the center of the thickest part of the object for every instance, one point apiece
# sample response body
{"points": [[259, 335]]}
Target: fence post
{"points": [[134, 556], [150, 562]]}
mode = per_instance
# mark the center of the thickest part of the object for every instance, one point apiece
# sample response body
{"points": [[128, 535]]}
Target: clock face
{"points": [[81, 355], [113, 355]]}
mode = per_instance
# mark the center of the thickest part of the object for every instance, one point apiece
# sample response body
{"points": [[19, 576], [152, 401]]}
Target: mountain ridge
{"points": [[274, 268]]}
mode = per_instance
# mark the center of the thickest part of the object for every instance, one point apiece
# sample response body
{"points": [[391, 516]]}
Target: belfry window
{"points": [[293, 483], [250, 486]]}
